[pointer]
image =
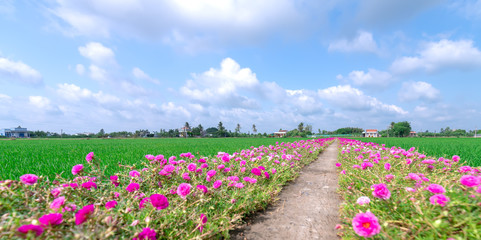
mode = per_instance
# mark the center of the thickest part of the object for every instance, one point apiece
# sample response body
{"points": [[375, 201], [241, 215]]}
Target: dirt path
{"points": [[308, 208]]}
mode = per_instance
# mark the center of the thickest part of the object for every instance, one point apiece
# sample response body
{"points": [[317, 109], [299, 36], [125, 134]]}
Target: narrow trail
{"points": [[308, 208]]}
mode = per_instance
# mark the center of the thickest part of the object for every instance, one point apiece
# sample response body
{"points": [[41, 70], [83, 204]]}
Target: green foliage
{"points": [[349, 130], [401, 129]]}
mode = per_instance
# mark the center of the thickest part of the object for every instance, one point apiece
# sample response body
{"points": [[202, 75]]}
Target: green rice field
{"points": [[47, 157], [469, 149]]}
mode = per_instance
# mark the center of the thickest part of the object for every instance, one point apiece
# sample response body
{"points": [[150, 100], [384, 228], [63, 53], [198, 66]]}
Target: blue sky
{"points": [[146, 64]]}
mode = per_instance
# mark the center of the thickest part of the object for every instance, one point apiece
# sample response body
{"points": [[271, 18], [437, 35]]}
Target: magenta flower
{"points": [[116, 194], [143, 202], [51, 219], [363, 200], [83, 214], [435, 188], [192, 167], [389, 177], [57, 203], [217, 184], [89, 156], [77, 169], [159, 201], [469, 181], [56, 191], [89, 185], [439, 199], [183, 190], [239, 185], [203, 220], [186, 177], [464, 169], [381, 191], [38, 230], [150, 157], [147, 234], [132, 187], [456, 158], [134, 173], [29, 179], [274, 171], [338, 164], [202, 188], [387, 166], [256, 171], [211, 173], [366, 224], [111, 204], [115, 180]]}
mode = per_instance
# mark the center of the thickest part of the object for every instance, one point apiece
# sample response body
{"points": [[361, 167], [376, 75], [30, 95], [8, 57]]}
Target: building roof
{"points": [[371, 130]]}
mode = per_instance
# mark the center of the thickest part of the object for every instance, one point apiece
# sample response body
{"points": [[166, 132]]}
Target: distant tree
{"points": [[186, 125], [308, 129], [402, 129], [201, 129], [254, 129], [300, 127], [237, 128], [221, 132], [212, 130], [101, 133]]}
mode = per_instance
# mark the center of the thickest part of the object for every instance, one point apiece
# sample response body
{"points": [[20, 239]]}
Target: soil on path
{"points": [[308, 208]]}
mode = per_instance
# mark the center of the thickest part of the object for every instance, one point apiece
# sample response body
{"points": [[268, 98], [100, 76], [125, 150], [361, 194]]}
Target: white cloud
{"points": [[371, 79], [436, 56], [411, 91], [5, 98], [190, 22], [39, 102], [221, 86], [80, 69], [20, 71], [363, 42], [97, 53], [74, 93], [98, 73], [349, 98], [139, 74], [304, 101]]}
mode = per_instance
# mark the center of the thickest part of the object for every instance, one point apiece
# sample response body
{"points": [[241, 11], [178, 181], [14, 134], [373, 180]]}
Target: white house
{"points": [[281, 133], [18, 132], [370, 133]]}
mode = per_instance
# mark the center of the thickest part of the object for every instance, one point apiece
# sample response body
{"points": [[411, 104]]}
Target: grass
{"points": [[469, 149], [48, 157]]}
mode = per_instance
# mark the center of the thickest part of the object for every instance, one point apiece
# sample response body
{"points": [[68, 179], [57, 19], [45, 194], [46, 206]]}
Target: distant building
{"points": [[183, 131], [413, 134], [370, 133], [18, 132], [281, 133]]}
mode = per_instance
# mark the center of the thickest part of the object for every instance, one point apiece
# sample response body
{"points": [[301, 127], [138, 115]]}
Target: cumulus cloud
{"points": [[5, 98], [139, 74], [202, 23], [221, 86], [352, 99], [436, 56], [20, 71], [411, 91], [371, 79], [39, 102], [74, 93], [363, 42], [97, 53], [80, 69]]}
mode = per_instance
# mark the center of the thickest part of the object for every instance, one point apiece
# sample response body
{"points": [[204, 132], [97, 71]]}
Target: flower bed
{"points": [[175, 197], [393, 193]]}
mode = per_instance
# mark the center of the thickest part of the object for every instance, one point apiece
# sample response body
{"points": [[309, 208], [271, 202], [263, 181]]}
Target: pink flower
{"points": [[70, 208], [266, 175], [363, 200], [274, 171], [89, 185], [38, 230], [77, 169], [217, 184], [83, 214], [387, 166], [203, 220], [338, 164], [150, 157], [111, 204], [147, 234], [29, 179], [57, 203], [343, 172], [192, 167], [159, 201], [439, 199], [202, 188], [256, 171], [211, 173], [134, 173], [116, 194], [435, 188], [381, 191], [132, 187], [464, 169], [89, 156], [143, 201], [183, 190], [389, 177], [115, 180], [239, 185], [56, 191], [456, 158], [51, 219], [469, 181], [366, 224]]}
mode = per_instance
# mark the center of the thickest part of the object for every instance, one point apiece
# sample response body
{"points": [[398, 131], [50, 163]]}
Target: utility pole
{"points": [[61, 133]]}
